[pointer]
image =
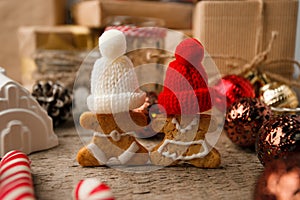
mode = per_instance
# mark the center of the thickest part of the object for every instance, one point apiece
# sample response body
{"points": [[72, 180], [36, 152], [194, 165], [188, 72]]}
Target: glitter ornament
{"points": [[280, 180], [243, 120], [233, 87], [279, 95], [278, 137]]}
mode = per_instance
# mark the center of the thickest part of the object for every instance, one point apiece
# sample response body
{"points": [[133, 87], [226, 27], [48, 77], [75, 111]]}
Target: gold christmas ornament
{"points": [[257, 79], [279, 95]]}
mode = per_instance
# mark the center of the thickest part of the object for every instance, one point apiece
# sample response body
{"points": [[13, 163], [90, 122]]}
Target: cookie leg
{"points": [[186, 143], [160, 160], [86, 159], [211, 160], [141, 157]]}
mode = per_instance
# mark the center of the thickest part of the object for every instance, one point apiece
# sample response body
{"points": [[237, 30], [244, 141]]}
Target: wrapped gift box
{"points": [[30, 12], [52, 44], [243, 29], [93, 13]]}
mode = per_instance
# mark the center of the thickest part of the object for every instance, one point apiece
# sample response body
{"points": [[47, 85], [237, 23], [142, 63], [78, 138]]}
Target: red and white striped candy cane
{"points": [[15, 177], [92, 189], [145, 32]]}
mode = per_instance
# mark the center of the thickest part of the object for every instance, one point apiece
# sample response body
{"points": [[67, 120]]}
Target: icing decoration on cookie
{"points": [[174, 156], [97, 153], [92, 189], [188, 128], [125, 156], [115, 135], [181, 130], [121, 159], [15, 177]]}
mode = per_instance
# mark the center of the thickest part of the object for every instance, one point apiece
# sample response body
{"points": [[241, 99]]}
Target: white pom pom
{"points": [[112, 44]]}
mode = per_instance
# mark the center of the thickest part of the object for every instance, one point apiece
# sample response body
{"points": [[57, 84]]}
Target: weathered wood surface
{"points": [[56, 172]]}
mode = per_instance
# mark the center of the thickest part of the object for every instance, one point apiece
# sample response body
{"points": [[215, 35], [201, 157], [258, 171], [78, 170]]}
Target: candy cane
{"points": [[134, 31], [15, 177], [92, 189]]}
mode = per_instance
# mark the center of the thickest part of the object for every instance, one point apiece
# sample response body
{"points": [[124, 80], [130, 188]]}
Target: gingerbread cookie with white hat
{"points": [[114, 95], [184, 96]]}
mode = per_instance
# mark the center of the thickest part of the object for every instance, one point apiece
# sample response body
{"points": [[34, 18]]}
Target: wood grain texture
{"points": [[56, 172]]}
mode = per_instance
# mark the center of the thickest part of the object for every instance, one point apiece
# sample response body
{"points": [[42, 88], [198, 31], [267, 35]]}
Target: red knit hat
{"points": [[185, 87]]}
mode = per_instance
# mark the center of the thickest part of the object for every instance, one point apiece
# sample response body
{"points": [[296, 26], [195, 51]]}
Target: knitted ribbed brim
{"points": [[186, 102], [114, 103]]}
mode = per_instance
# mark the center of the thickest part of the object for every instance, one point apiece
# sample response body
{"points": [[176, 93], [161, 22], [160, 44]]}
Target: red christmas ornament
{"points": [[231, 88], [280, 180], [185, 87], [243, 120], [278, 138]]}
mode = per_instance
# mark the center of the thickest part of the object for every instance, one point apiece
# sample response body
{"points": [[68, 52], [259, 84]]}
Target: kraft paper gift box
{"points": [[243, 29], [51, 41], [94, 13], [16, 13]]}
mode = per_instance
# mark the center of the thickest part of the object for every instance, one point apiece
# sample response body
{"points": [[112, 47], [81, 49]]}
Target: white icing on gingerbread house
{"points": [[24, 124]]}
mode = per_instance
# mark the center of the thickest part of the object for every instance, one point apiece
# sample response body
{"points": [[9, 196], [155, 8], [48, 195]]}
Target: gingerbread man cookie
{"points": [[114, 94], [184, 96]]}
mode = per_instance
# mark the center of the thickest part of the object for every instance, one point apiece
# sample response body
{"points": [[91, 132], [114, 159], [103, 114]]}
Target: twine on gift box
{"points": [[260, 60], [280, 78]]}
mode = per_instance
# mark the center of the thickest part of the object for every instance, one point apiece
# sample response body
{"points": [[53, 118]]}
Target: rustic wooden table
{"points": [[56, 172]]}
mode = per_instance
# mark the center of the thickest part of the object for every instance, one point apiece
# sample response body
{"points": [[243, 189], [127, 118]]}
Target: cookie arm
{"points": [[88, 120]]}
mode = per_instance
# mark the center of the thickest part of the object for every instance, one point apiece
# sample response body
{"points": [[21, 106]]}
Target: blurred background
{"points": [[49, 39]]}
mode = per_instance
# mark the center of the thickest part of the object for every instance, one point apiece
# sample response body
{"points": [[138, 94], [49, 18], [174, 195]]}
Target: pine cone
{"points": [[55, 99]]}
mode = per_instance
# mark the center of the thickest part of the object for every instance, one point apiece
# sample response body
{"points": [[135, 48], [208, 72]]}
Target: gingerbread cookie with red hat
{"points": [[185, 95]]}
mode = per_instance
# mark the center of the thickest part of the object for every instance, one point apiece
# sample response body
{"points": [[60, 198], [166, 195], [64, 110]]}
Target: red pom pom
{"points": [[189, 52], [232, 88]]}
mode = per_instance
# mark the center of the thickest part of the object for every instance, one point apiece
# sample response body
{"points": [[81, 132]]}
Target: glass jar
{"points": [[145, 37]]}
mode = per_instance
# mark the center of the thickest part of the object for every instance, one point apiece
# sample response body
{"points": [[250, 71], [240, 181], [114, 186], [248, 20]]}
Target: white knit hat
{"points": [[114, 85]]}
